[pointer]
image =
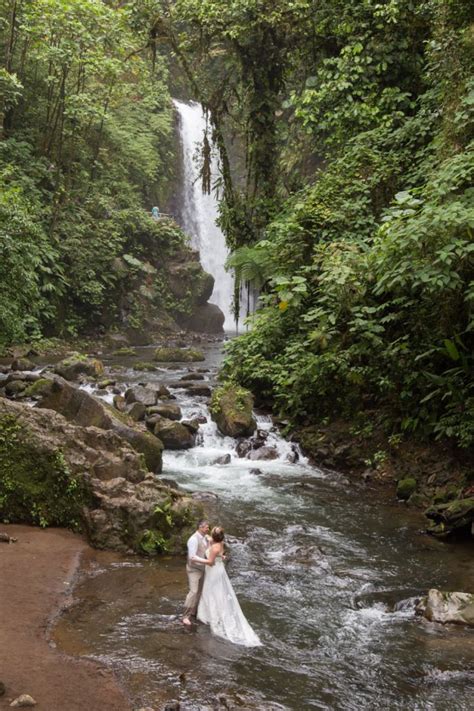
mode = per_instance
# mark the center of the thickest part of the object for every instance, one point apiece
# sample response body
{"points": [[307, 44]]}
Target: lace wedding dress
{"points": [[219, 608]]}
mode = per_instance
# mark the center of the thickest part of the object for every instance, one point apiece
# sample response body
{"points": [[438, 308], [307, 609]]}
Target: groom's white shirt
{"points": [[193, 545]]}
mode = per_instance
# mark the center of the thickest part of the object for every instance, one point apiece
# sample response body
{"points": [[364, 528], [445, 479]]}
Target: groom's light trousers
{"points": [[195, 580]]}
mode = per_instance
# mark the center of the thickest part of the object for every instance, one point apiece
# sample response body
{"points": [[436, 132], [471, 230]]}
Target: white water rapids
{"points": [[327, 572], [199, 211]]}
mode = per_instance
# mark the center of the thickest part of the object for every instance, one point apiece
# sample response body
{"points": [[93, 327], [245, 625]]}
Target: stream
{"points": [[327, 571]]}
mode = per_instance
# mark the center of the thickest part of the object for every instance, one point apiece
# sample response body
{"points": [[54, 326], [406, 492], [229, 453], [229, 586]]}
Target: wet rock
{"points": [[136, 411], [22, 375], [15, 387], [204, 496], [138, 393], [448, 607], [225, 459], [2, 689], [120, 403], [178, 355], [145, 366], [22, 364], [83, 409], [199, 390], [255, 471], [191, 425], [293, 456], [232, 410], [23, 701], [192, 376], [452, 517], [107, 383], [160, 389], [243, 447], [172, 706], [263, 453], [70, 368], [168, 410], [206, 318], [174, 435], [200, 419], [405, 488]]}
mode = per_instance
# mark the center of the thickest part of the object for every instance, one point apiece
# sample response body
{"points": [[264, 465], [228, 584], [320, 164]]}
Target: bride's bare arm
{"points": [[213, 553]]}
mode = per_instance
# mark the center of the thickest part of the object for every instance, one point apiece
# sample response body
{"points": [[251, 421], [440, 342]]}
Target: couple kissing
{"points": [[211, 598]]}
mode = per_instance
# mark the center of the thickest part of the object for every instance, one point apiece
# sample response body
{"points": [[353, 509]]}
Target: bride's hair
{"points": [[217, 534]]}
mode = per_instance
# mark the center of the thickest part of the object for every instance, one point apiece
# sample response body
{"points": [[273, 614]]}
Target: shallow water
{"points": [[327, 572]]}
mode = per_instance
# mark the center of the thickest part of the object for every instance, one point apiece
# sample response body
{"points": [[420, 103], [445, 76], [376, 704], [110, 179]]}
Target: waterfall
{"points": [[199, 212]]}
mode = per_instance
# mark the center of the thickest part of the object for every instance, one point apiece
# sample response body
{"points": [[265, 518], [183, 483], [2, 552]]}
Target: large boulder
{"points": [[232, 410], [139, 393], [75, 365], [263, 453], [205, 318], [54, 472], [174, 435], [448, 607], [83, 409]]}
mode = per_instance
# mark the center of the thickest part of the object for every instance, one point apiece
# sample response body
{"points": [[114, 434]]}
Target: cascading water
{"points": [[199, 211], [327, 572]]}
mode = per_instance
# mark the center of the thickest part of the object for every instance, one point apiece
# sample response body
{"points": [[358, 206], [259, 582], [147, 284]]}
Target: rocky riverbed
{"points": [[329, 570]]}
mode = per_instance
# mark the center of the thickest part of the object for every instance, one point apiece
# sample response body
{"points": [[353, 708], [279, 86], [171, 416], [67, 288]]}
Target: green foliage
{"points": [[368, 271], [86, 150]]}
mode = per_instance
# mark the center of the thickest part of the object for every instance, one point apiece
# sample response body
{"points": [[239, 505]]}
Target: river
{"points": [[327, 571]]}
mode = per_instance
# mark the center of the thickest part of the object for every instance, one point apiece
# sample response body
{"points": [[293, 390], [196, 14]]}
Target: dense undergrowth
{"points": [[366, 271], [86, 149]]}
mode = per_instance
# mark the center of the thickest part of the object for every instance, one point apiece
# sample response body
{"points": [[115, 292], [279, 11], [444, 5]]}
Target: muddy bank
{"points": [[37, 575]]}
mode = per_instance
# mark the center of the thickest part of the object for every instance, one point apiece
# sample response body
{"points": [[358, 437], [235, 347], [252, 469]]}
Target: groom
{"points": [[198, 544]]}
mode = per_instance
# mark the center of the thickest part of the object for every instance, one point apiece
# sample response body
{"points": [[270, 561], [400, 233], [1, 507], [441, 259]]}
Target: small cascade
{"points": [[199, 212]]}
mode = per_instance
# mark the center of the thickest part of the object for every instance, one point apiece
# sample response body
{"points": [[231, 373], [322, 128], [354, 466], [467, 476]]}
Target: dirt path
{"points": [[35, 581]]}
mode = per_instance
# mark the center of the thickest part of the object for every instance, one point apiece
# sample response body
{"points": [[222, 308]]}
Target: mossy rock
{"points": [[178, 355], [143, 366], [125, 351], [39, 388], [77, 364], [232, 410], [446, 493], [406, 487], [451, 517], [36, 484]]}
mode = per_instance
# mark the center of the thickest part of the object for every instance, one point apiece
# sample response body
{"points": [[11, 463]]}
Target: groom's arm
{"points": [[192, 551]]}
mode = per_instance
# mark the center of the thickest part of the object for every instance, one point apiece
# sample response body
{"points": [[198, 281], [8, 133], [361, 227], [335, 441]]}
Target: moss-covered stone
{"points": [[144, 366], [178, 355], [232, 410], [452, 517], [39, 388], [36, 484], [406, 487], [125, 351], [78, 364]]}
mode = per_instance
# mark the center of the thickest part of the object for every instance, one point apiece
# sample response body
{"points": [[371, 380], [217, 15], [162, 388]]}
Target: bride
{"points": [[218, 606]]}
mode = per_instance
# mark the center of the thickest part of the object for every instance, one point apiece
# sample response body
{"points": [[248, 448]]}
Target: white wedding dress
{"points": [[219, 608]]}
